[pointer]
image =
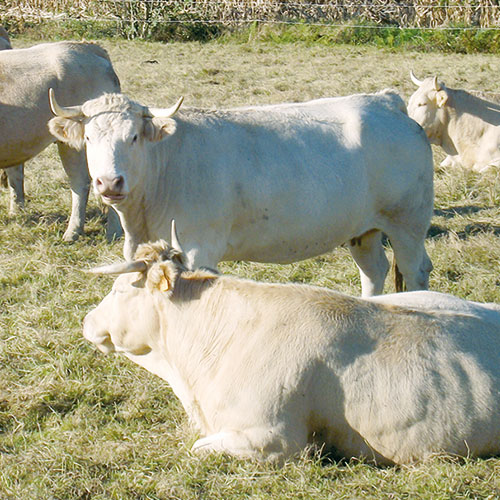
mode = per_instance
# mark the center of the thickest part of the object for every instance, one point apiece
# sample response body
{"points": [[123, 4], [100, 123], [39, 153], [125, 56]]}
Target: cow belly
{"points": [[15, 152], [287, 240]]}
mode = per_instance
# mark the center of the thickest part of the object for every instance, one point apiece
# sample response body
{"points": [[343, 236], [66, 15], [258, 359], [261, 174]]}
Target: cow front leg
{"points": [[113, 225], [258, 443], [15, 183], [75, 166], [369, 255]]}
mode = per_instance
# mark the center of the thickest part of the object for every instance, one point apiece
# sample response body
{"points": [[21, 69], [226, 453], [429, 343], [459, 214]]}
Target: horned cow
{"points": [[466, 126], [276, 183], [264, 369]]}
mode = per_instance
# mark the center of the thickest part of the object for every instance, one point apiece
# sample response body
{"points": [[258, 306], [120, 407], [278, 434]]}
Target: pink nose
{"points": [[110, 185]]}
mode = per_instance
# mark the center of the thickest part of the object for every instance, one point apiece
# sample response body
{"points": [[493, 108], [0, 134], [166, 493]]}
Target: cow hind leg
{"points": [[369, 255], [75, 166], [15, 183], [411, 259]]}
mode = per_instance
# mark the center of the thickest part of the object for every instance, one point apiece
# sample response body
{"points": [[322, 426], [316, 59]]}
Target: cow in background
{"points": [[265, 369], [12, 178], [79, 71], [276, 183], [466, 126]]}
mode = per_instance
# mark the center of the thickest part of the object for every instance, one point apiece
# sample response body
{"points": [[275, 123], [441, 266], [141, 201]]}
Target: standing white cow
{"points": [[263, 369], [77, 71], [12, 178], [271, 184], [465, 126]]}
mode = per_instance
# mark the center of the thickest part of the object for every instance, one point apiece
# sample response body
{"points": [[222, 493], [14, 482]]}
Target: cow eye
{"points": [[134, 139]]}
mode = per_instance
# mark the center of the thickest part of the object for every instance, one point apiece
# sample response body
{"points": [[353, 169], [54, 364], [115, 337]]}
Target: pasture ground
{"points": [[75, 424]]}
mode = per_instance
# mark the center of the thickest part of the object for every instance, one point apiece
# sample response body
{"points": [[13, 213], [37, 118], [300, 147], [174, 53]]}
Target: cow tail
{"points": [[399, 283]]}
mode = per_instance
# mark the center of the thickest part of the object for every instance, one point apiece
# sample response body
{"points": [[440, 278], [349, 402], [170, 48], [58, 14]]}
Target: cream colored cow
{"points": [[264, 369], [466, 126], [276, 183], [77, 70]]}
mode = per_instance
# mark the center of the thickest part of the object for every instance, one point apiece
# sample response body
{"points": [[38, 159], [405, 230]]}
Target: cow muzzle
{"points": [[111, 189], [99, 337]]}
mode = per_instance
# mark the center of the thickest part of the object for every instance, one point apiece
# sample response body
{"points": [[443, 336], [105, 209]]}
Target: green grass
{"points": [[75, 424]]}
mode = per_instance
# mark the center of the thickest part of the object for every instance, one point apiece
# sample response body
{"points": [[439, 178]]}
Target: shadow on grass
{"points": [[437, 231]]}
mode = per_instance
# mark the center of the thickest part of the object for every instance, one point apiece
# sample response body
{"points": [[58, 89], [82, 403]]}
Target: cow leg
{"points": [[15, 182], [113, 226], [258, 442], [75, 166], [369, 255], [412, 259]]}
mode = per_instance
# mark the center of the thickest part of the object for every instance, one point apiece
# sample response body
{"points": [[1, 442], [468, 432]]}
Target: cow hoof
{"points": [[70, 236]]}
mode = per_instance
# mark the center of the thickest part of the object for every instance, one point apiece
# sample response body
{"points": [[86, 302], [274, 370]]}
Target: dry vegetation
{"points": [[75, 424], [421, 13]]}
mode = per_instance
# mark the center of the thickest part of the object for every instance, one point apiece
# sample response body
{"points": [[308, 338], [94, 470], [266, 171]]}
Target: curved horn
{"points": [[168, 112], [435, 84], [68, 112], [174, 239], [414, 79], [120, 268]]}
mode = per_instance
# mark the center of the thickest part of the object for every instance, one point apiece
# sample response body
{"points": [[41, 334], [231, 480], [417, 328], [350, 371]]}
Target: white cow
{"points": [[264, 369], [464, 125], [78, 71], [271, 184], [12, 178]]}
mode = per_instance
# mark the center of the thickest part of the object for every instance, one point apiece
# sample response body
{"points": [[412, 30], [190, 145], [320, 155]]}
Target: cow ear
{"points": [[157, 129], [70, 132], [441, 98], [162, 276]]}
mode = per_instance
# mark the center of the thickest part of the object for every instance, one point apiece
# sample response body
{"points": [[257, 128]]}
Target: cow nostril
{"points": [[98, 182], [118, 183]]}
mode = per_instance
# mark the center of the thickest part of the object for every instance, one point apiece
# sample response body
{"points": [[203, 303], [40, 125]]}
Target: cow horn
{"points": [[167, 112], [436, 84], [120, 268], [67, 112], [174, 239], [414, 79]]}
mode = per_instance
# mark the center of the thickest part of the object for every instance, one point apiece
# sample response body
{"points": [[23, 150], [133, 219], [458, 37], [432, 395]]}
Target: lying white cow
{"points": [[77, 71], [264, 369], [271, 184], [465, 126]]}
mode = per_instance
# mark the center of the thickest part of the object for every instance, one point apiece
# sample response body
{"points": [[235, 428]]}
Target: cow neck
{"points": [[189, 341], [132, 215], [450, 122]]}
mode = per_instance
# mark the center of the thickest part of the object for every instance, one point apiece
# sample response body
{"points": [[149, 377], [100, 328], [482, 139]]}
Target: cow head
{"points": [[426, 106], [115, 132], [127, 320]]}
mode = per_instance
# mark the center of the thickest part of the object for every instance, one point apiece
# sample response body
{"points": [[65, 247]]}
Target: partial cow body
{"points": [[264, 369], [466, 126], [78, 71], [274, 183]]}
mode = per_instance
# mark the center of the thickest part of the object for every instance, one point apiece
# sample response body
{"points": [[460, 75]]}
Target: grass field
{"points": [[75, 424]]}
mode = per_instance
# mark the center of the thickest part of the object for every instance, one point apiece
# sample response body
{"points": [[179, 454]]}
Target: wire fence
{"points": [[141, 16]]}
